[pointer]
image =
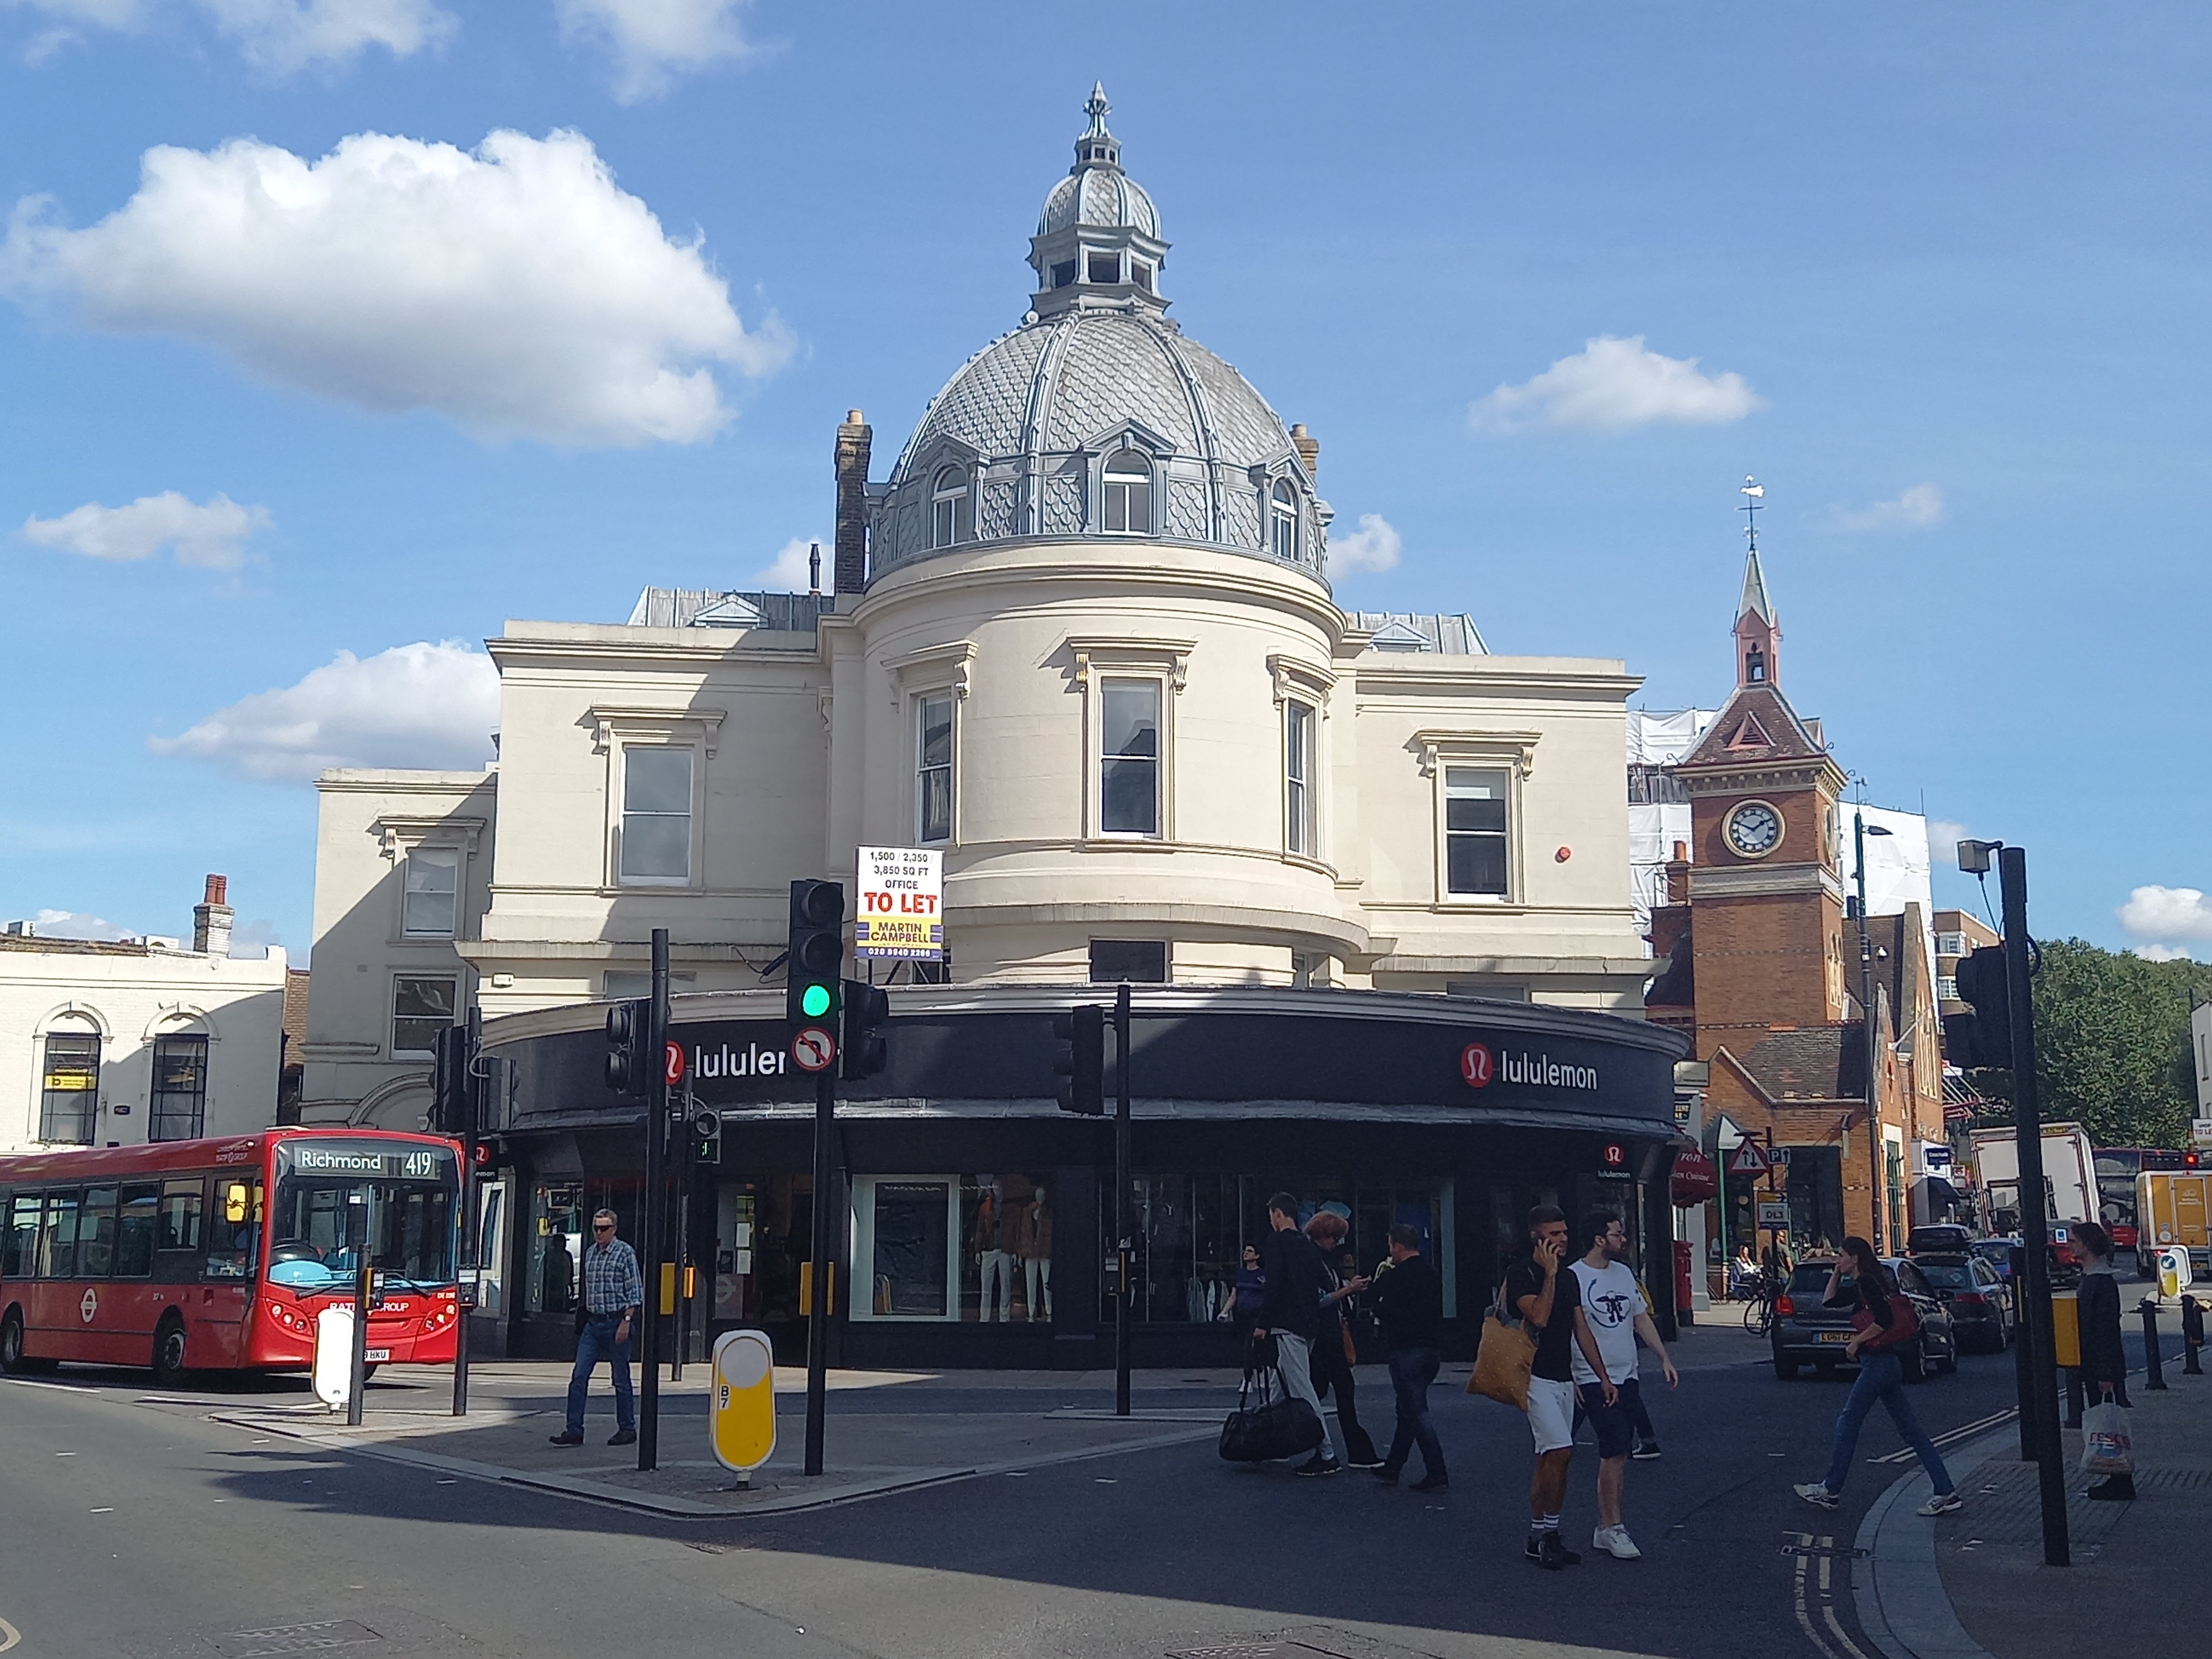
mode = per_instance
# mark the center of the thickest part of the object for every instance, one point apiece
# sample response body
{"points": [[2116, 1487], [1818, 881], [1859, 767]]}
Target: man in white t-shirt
{"points": [[1611, 1309]]}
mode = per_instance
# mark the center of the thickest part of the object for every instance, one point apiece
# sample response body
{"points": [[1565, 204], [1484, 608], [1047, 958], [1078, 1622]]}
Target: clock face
{"points": [[1753, 829]]}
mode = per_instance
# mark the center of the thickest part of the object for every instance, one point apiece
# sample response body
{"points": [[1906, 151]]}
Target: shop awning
{"points": [[1211, 1111]]}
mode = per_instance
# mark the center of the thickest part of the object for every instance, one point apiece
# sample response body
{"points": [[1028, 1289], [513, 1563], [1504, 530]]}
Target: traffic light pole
{"points": [[656, 1146], [1122, 1220], [817, 1306], [2035, 1229], [464, 1298]]}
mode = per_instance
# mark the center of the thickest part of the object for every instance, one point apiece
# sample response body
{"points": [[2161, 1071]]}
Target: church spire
{"points": [[1758, 630]]}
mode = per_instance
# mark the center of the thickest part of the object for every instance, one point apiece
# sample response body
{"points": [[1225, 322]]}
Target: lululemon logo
{"points": [[1476, 1065]]}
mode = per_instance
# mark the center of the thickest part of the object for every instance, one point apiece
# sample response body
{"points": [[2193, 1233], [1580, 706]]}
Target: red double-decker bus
{"points": [[217, 1254]]}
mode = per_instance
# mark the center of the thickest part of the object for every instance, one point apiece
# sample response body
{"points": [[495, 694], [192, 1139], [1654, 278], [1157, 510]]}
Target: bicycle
{"points": [[1759, 1313]]}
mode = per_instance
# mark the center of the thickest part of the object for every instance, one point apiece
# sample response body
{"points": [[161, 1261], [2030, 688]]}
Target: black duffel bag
{"points": [[1271, 1424]]}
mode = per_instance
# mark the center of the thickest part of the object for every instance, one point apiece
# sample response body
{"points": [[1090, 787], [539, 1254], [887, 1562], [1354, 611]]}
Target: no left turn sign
{"points": [[813, 1048]]}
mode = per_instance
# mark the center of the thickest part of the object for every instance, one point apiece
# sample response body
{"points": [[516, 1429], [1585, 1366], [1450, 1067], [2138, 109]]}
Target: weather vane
{"points": [[1753, 493]]}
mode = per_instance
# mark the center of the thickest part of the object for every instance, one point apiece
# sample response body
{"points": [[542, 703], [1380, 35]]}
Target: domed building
{"points": [[1369, 880]]}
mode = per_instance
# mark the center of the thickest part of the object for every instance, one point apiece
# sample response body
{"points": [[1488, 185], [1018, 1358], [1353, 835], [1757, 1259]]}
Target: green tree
{"points": [[2111, 1037]]}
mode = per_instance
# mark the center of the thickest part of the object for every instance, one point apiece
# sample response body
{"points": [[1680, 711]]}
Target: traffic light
{"points": [[706, 1137], [864, 1049], [815, 958], [1984, 1036], [453, 1090], [1081, 1059], [627, 1023]]}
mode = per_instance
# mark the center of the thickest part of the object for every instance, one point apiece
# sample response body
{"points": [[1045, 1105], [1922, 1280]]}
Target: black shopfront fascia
{"points": [[1341, 1087]]}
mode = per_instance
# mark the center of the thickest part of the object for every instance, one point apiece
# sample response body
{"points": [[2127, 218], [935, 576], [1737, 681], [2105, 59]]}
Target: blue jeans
{"points": [[1881, 1377], [595, 1342], [1412, 1370]]}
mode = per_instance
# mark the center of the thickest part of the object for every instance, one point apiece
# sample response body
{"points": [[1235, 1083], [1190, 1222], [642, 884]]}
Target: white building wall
{"points": [[130, 994]]}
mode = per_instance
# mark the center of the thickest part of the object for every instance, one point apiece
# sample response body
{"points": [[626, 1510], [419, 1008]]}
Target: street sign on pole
{"points": [[814, 1049], [1748, 1160], [1774, 1217]]}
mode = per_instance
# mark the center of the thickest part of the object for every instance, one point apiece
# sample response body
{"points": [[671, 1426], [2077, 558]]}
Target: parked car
{"points": [[2058, 1260], [1808, 1332], [1979, 1302], [1997, 1252], [1939, 1238]]}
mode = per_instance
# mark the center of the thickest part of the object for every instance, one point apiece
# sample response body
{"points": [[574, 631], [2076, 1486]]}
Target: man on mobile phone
{"points": [[1541, 1294]]}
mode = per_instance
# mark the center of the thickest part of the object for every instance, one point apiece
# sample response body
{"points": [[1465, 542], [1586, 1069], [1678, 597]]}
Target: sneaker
{"points": [[1615, 1542], [1646, 1451], [565, 1438], [1943, 1503], [1372, 1461], [1552, 1553], [622, 1438], [1816, 1493], [1433, 1483], [1388, 1477], [2113, 1489], [1318, 1465]]}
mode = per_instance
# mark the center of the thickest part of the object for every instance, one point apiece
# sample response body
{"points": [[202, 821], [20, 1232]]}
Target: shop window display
{"points": [[975, 1248]]}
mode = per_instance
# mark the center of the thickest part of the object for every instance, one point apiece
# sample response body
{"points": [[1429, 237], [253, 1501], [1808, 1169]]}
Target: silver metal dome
{"points": [[1097, 416]]}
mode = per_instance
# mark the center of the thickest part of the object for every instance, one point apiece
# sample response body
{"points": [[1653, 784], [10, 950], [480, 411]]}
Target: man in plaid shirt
{"points": [[613, 1293]]}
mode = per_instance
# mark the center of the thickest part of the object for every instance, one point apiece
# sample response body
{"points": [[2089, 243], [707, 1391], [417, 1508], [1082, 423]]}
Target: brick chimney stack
{"points": [[1678, 874], [211, 920], [1309, 449], [850, 573]]}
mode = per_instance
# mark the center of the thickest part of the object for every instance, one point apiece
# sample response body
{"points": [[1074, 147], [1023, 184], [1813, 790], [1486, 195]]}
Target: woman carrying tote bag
{"points": [[2108, 1441]]}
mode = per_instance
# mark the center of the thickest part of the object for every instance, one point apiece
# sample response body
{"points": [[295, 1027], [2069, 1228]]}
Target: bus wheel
{"points": [[11, 1343], [169, 1354]]}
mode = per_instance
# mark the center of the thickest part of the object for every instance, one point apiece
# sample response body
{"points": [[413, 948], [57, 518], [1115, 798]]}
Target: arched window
{"points": [[952, 519], [1283, 521], [1129, 492]]}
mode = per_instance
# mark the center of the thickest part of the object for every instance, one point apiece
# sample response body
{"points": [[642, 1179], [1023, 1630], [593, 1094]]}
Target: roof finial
{"points": [[1752, 494], [1096, 109]]}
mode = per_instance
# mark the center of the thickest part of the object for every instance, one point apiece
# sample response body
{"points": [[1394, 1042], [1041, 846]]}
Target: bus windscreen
{"points": [[327, 1191]]}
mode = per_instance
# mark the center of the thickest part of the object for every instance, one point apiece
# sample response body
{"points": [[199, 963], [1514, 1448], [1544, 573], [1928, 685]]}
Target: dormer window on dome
{"points": [[1283, 521], [951, 517], [1128, 492]]}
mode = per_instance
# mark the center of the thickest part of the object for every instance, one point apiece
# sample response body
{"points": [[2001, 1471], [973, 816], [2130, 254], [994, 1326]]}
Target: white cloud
{"points": [[514, 287], [1373, 546], [420, 705], [1614, 385], [1914, 508], [2165, 915], [212, 534], [2162, 952], [651, 41], [787, 572], [78, 924], [1943, 838], [250, 943], [277, 35]]}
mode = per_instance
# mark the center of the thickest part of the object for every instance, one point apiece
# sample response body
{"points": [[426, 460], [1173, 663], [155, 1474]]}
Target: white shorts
{"points": [[1551, 1414]]}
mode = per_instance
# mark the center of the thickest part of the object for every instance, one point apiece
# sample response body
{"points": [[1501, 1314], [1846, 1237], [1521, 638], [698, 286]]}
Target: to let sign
{"points": [[902, 904]]}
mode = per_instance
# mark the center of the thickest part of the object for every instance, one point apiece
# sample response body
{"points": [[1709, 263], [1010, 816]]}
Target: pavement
{"points": [[892, 1432], [1976, 1585]]}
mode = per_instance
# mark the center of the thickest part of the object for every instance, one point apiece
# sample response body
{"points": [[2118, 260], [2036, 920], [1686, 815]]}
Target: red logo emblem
{"points": [[1616, 1156], [1476, 1065], [672, 1062]]}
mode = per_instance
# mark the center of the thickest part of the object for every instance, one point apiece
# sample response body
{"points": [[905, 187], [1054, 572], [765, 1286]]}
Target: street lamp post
{"points": [[1859, 830]]}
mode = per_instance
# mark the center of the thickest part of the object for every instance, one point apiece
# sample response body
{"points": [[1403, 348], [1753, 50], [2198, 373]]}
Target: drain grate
{"points": [[1251, 1651], [1833, 1551], [294, 1638]]}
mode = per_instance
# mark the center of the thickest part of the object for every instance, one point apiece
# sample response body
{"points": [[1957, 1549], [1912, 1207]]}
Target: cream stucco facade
{"points": [[1084, 640]]}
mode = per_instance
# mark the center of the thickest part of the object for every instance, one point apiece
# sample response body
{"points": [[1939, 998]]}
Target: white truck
{"points": [[2070, 1182]]}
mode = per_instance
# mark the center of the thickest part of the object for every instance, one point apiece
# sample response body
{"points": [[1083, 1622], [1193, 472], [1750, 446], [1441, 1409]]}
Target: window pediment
{"points": [[396, 832], [932, 665], [1121, 651], [611, 722], [1514, 749]]}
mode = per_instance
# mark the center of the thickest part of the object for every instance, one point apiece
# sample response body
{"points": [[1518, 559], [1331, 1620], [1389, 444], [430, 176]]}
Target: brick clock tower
{"points": [[1763, 959]]}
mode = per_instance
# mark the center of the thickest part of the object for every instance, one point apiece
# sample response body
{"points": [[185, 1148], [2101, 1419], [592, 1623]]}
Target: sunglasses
{"points": [[603, 1226]]}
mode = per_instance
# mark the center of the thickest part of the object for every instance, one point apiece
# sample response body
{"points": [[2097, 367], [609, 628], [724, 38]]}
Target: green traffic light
{"points": [[815, 1000]]}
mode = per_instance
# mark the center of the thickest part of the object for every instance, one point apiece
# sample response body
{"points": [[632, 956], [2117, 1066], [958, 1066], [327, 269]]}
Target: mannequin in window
{"points": [[1036, 1257], [994, 1262]]}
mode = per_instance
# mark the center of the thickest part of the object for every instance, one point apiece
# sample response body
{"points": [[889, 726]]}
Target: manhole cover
{"points": [[294, 1638]]}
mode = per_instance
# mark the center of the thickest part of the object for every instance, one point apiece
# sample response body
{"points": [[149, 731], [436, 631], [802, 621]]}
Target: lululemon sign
{"points": [[1477, 1066]]}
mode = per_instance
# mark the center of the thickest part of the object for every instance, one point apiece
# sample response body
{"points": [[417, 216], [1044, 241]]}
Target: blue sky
{"points": [[1935, 275]]}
